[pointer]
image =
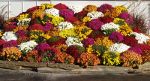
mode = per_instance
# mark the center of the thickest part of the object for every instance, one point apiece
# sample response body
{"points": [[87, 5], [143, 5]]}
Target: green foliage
{"points": [[99, 49]]}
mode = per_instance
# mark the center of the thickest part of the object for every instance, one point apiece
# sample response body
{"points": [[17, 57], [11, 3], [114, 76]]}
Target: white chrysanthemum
{"points": [[52, 11], [75, 9], [65, 25], [8, 36], [23, 22], [110, 25], [140, 37], [73, 41], [119, 47], [95, 14], [27, 46]]}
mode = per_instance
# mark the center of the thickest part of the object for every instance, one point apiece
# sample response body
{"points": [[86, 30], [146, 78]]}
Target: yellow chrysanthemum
{"points": [[20, 28], [125, 30], [89, 49], [55, 19], [68, 33], [86, 19], [38, 13], [82, 32], [23, 16], [111, 58], [46, 36], [119, 21], [105, 41], [46, 6]]}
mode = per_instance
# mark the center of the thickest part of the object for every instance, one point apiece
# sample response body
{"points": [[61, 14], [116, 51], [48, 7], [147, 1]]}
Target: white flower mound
{"points": [[65, 25], [23, 22], [110, 25], [119, 47], [95, 14], [140, 37], [73, 41], [27, 46], [8, 36], [75, 9], [52, 11]]}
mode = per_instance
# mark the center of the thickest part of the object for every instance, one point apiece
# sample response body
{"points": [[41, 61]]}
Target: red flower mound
{"points": [[81, 14], [131, 41], [36, 27], [106, 19], [75, 51], [60, 6]]}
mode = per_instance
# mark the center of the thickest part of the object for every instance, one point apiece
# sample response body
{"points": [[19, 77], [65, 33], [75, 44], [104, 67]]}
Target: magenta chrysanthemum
{"points": [[95, 24], [103, 8], [116, 36], [88, 41]]}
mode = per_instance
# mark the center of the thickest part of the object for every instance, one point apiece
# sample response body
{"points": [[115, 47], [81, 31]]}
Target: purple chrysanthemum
{"points": [[42, 47], [136, 49], [48, 26], [116, 36], [66, 13], [95, 24], [12, 43], [21, 33], [88, 41], [127, 17], [103, 8]]}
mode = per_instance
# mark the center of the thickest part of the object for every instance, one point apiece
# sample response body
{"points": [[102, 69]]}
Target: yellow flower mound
{"points": [[23, 16], [105, 41], [35, 34], [89, 49], [82, 32], [46, 6], [86, 19], [55, 19], [67, 33], [125, 30], [38, 13], [111, 58], [119, 21]]}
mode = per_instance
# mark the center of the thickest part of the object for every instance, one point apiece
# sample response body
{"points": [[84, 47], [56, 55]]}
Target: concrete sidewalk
{"points": [[93, 73]]}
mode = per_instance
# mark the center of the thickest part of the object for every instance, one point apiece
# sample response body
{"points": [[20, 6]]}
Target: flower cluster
{"points": [[68, 34], [131, 58]]}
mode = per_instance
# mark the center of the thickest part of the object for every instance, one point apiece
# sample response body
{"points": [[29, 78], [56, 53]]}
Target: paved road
{"points": [[14, 75]]}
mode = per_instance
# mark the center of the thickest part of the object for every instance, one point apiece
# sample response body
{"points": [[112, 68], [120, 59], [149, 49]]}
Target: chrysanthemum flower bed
{"points": [[103, 35]]}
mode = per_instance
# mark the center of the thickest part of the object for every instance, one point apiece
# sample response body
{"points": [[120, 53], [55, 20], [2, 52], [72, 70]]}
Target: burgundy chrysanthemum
{"points": [[116, 36], [103, 8], [88, 41], [95, 24], [71, 19], [21, 33], [66, 13], [48, 26], [36, 27], [136, 49], [75, 51], [106, 19], [81, 14], [10, 26], [127, 17], [60, 6], [42, 47], [12, 43], [131, 41]]}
